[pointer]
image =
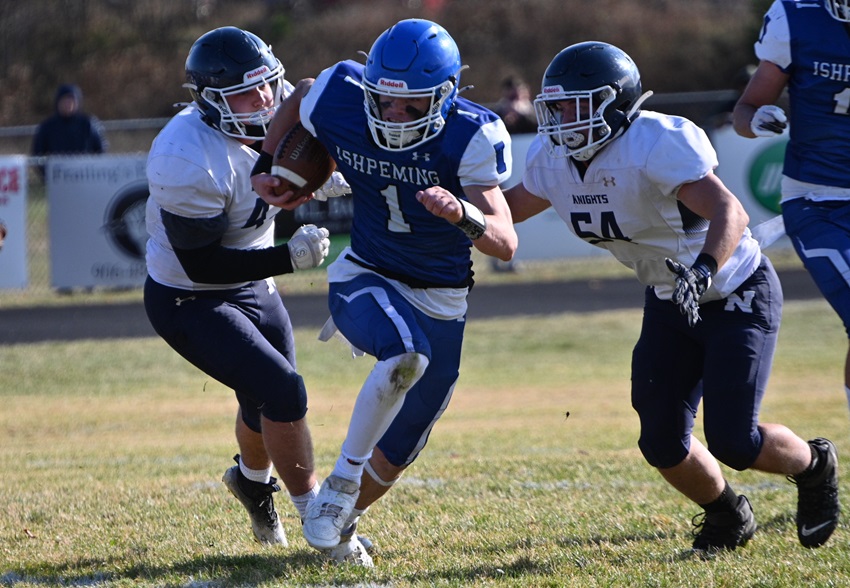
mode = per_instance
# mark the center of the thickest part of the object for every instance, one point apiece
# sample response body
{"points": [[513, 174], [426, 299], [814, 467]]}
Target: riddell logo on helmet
{"points": [[385, 83], [259, 72], [553, 90]]}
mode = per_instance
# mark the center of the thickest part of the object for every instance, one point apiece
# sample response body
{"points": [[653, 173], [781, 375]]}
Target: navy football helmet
{"points": [[590, 94], [839, 9], [412, 59], [228, 61]]}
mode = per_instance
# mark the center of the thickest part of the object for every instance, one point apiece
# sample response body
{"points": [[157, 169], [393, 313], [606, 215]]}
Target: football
{"points": [[301, 162]]}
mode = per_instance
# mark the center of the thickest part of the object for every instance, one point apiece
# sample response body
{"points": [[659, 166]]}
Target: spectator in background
{"points": [[69, 130], [515, 107], [3, 233]]}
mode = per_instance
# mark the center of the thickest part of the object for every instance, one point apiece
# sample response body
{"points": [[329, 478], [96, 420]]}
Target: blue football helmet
{"points": [[839, 9], [228, 61], [412, 59], [591, 93]]}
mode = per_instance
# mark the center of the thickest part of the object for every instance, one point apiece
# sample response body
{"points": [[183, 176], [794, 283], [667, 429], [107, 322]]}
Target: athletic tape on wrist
{"points": [[473, 223]]}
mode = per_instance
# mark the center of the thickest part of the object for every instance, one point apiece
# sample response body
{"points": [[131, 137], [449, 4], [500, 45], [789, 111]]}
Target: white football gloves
{"points": [[308, 247], [768, 121], [334, 187]]}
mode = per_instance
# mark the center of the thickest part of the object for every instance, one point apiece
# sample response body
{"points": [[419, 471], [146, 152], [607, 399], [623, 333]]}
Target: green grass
{"points": [[111, 454]]}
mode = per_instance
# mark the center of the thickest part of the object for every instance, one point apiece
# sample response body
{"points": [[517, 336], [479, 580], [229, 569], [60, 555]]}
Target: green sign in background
{"points": [[766, 176]]}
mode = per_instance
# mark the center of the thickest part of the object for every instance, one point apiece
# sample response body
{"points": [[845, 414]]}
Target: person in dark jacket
{"points": [[69, 130]]}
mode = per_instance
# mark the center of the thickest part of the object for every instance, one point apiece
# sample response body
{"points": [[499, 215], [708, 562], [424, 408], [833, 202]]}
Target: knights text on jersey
{"points": [[814, 50], [390, 228], [627, 202], [197, 172]]}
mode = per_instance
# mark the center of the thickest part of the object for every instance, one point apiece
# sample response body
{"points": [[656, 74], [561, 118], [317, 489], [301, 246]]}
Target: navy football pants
{"points": [[241, 337], [724, 361]]}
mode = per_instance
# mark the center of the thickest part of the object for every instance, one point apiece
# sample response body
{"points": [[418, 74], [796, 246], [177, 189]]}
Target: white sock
{"points": [[261, 476], [344, 468], [354, 517], [303, 500]]}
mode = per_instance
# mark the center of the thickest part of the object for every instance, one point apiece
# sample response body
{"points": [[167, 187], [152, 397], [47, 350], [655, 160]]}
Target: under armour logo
{"points": [[423, 156], [178, 301], [609, 181]]}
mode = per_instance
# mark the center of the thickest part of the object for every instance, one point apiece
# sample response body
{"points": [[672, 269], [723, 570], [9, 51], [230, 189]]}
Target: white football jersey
{"points": [[627, 202], [197, 172]]}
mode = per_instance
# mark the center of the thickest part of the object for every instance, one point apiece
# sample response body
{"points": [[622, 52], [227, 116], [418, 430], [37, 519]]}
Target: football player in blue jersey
{"points": [[424, 165], [210, 256], [641, 185], [805, 46]]}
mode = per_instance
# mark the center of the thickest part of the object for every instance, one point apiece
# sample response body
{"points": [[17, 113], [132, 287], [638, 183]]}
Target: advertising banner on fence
{"points": [[97, 220], [13, 218]]}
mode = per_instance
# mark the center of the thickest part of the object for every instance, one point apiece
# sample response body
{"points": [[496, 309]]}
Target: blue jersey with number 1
{"points": [[814, 49], [391, 230]]}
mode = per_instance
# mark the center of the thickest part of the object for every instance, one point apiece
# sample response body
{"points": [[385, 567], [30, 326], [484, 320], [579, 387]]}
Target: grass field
{"points": [[111, 454]]}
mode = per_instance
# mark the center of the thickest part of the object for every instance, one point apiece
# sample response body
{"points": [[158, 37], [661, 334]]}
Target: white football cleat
{"points": [[351, 552], [329, 511]]}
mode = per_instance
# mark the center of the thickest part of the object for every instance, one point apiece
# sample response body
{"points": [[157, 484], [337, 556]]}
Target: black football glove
{"points": [[691, 284]]}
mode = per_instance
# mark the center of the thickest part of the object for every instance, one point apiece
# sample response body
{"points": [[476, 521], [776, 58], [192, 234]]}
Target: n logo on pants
{"points": [[745, 303]]}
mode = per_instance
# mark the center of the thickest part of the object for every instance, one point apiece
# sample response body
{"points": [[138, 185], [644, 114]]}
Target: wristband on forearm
{"points": [[263, 165], [473, 223], [707, 261]]}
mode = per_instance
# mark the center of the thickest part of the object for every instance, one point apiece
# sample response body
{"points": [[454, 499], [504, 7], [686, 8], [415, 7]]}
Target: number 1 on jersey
{"points": [[842, 101], [396, 222]]}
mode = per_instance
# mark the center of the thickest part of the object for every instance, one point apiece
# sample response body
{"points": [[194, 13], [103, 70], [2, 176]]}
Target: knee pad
{"points": [[736, 453], [660, 453], [250, 414], [402, 371], [288, 404]]}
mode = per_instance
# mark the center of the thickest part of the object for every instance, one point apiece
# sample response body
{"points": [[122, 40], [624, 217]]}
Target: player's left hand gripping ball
{"points": [[309, 246]]}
